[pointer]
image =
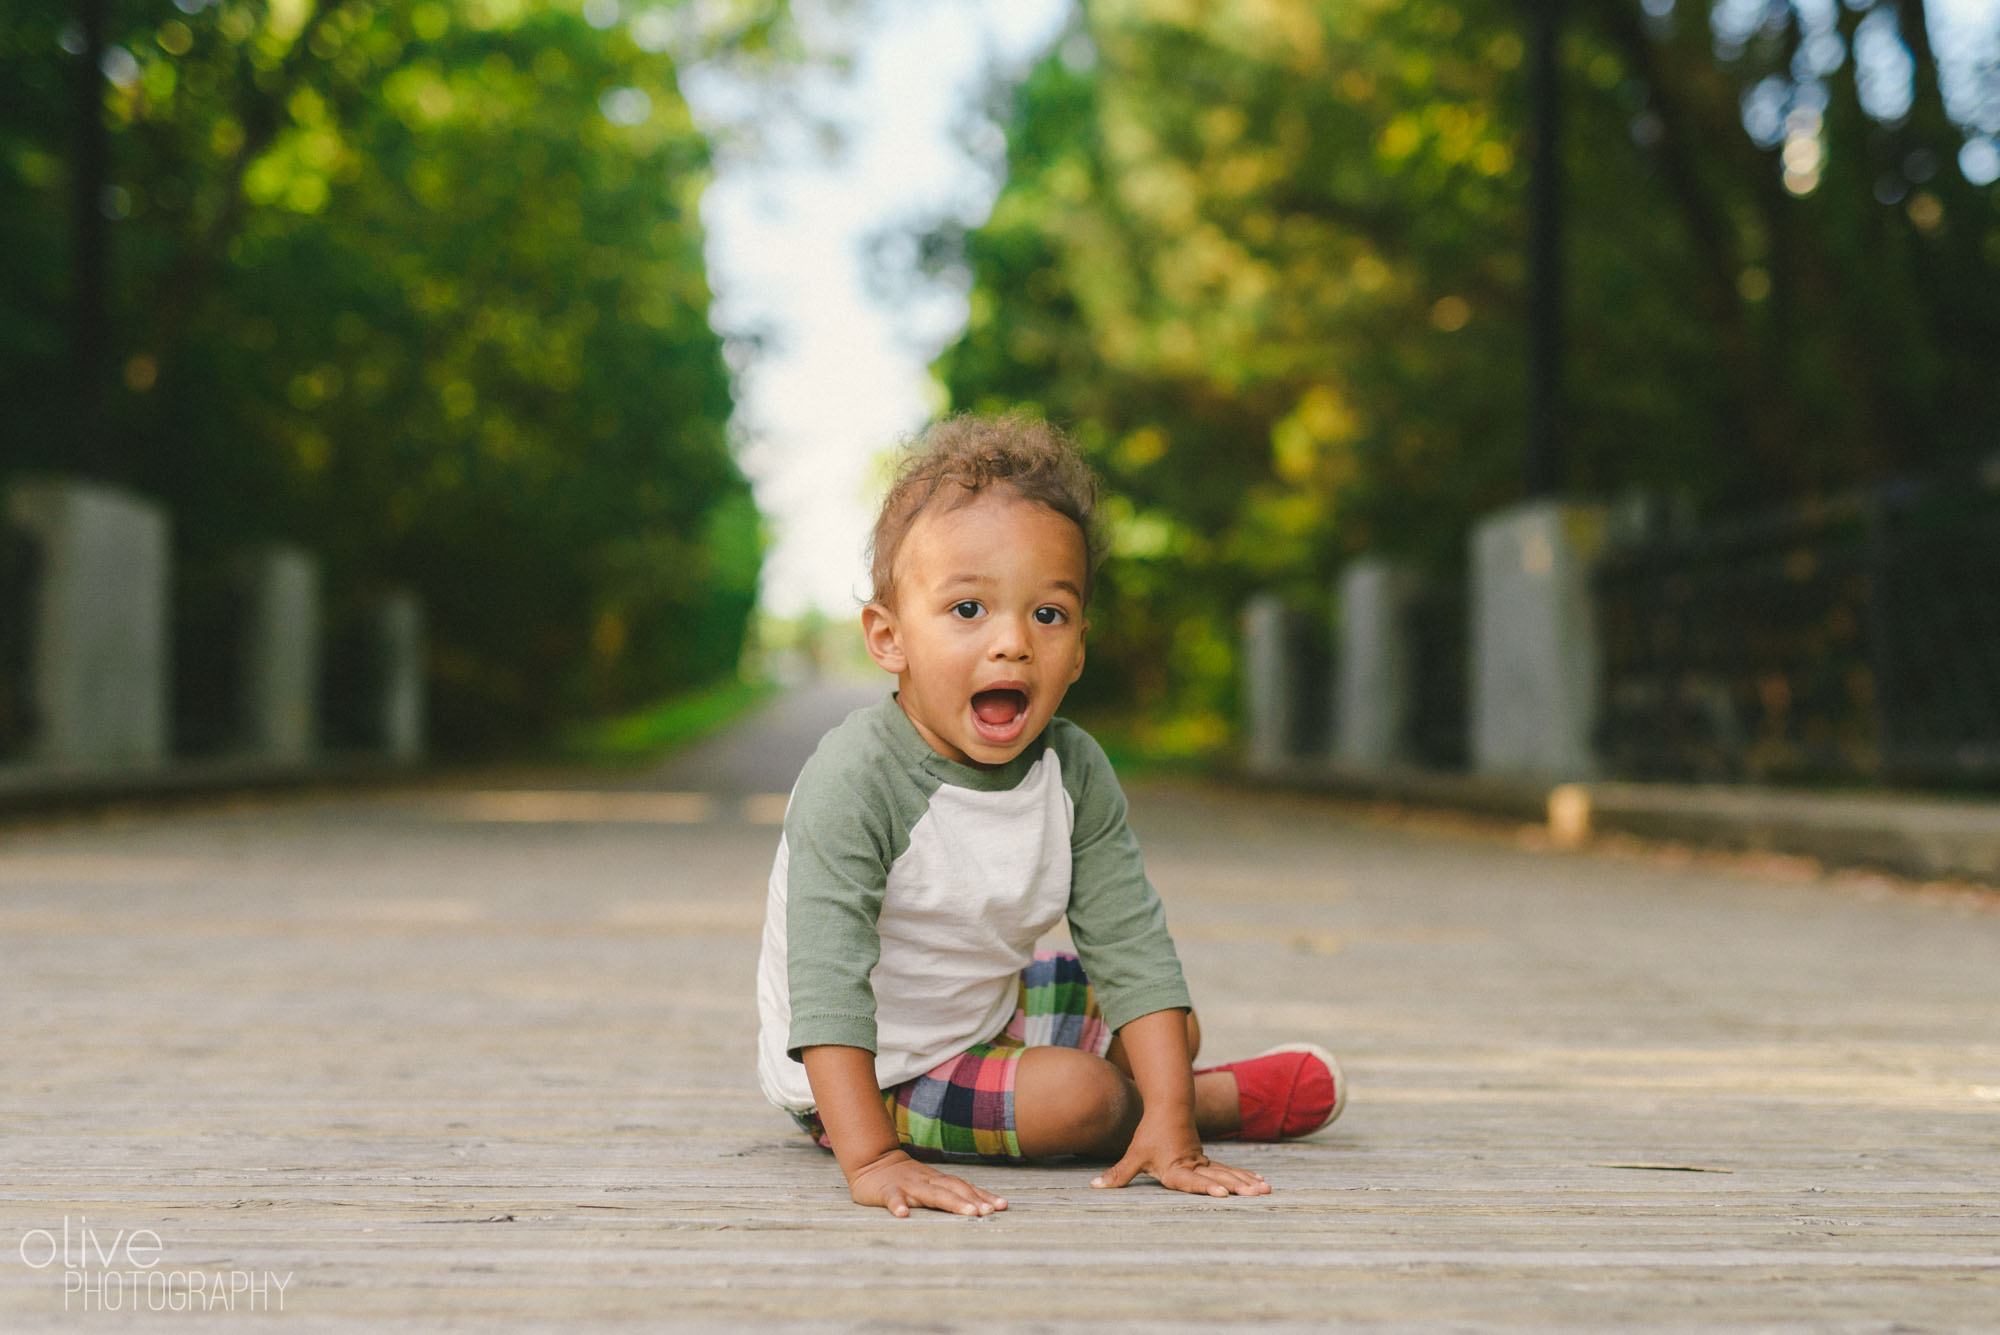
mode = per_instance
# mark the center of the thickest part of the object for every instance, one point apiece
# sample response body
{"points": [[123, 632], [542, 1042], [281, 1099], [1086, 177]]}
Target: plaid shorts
{"points": [[963, 1108]]}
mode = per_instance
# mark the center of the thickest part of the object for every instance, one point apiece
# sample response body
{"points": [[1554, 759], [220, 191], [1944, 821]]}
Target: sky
{"points": [[839, 375]]}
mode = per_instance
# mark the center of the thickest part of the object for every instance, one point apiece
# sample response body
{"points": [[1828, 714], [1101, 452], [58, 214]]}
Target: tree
{"points": [[1268, 262], [422, 287]]}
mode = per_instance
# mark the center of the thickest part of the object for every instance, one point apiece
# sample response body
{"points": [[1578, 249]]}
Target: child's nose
{"points": [[1010, 638]]}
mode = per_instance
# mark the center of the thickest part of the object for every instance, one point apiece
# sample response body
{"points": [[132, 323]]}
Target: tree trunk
{"points": [[90, 246], [1543, 461]]}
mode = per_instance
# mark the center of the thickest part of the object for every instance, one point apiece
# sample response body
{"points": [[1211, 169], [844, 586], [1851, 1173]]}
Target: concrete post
{"points": [[403, 677], [1533, 640], [101, 662], [1373, 663], [1270, 686], [281, 648]]}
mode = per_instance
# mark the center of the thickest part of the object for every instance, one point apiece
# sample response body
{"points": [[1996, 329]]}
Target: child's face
{"points": [[987, 631]]}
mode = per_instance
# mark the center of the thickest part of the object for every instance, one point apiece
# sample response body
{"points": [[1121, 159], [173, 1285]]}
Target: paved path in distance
{"points": [[460, 1058]]}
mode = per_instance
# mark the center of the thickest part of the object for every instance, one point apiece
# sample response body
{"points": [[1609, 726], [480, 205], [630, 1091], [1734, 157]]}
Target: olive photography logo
{"points": [[121, 1272]]}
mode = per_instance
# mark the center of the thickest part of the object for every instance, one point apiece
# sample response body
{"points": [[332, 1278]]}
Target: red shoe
{"points": [[1288, 1092]]}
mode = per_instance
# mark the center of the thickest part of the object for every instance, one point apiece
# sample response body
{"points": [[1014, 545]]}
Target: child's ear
{"points": [[1077, 671], [880, 637]]}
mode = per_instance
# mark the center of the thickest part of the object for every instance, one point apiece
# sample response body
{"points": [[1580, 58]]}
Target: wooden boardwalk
{"points": [[449, 1059]]}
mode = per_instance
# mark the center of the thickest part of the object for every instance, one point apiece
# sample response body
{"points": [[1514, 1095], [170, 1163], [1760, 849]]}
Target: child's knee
{"points": [[1069, 1102], [1112, 1099], [1094, 1094]]}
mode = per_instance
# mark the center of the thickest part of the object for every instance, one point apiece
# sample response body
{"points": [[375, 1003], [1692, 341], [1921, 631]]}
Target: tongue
{"points": [[997, 707]]}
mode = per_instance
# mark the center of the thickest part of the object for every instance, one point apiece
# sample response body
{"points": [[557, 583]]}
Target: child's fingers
{"points": [[1239, 1180], [1118, 1175], [957, 1196], [1242, 1183], [1214, 1179], [1239, 1183]]}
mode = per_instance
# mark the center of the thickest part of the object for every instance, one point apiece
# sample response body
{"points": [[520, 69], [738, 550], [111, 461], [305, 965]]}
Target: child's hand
{"points": [[1172, 1156], [896, 1182]]}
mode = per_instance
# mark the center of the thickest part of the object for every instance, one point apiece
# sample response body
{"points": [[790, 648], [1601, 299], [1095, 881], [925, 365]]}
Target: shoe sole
{"points": [[1332, 1065]]}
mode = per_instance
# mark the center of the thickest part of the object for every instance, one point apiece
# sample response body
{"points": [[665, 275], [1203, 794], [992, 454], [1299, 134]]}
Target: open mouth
{"points": [[1000, 715]]}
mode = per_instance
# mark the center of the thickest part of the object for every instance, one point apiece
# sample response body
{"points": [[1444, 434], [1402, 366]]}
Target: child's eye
{"points": [[966, 610], [1051, 616]]}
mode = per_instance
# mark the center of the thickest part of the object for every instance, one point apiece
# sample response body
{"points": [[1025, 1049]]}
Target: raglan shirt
{"points": [[909, 890]]}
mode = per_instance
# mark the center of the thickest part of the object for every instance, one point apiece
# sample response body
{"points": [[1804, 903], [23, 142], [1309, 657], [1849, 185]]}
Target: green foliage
{"points": [[1267, 261], [647, 734], [420, 286]]}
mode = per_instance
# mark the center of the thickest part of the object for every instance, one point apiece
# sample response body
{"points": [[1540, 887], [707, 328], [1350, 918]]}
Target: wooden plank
{"points": [[441, 1071]]}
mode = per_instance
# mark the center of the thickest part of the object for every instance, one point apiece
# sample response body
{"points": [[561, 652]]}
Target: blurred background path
{"points": [[484, 1055], [764, 755]]}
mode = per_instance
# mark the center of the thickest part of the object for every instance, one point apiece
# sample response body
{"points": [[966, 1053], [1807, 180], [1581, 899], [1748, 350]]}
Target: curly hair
{"points": [[972, 453]]}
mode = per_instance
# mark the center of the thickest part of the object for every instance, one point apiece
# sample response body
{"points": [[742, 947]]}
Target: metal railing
{"points": [[20, 567], [1435, 630], [211, 613], [1852, 639]]}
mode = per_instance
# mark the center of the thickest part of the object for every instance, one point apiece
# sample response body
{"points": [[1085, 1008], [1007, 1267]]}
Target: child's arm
{"points": [[879, 1171], [1165, 1146]]}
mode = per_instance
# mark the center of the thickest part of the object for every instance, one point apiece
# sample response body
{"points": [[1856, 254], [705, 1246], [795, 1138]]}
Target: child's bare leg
{"points": [[1217, 1109], [1069, 1102]]}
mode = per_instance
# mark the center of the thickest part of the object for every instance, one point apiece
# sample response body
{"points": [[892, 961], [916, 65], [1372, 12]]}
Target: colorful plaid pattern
{"points": [[963, 1108]]}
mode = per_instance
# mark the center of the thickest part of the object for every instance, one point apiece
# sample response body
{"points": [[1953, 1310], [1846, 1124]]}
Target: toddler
{"points": [[933, 838]]}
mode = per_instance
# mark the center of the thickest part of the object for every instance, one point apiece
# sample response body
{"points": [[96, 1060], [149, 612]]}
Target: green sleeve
{"points": [[1115, 916], [839, 847]]}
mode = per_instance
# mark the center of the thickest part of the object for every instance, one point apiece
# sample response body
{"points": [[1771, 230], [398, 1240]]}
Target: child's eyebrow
{"points": [[980, 581]]}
